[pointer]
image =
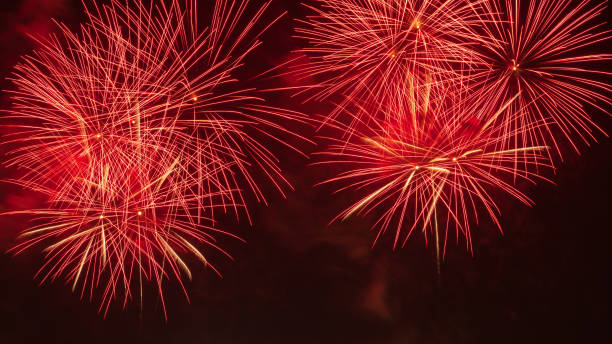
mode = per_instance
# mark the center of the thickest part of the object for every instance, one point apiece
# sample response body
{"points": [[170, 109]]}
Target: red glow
{"points": [[424, 169], [440, 102], [139, 133]]}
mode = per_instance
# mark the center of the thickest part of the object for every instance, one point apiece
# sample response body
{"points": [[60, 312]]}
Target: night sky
{"points": [[298, 280]]}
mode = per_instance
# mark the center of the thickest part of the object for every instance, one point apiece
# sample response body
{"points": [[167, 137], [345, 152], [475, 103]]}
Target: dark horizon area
{"points": [[300, 280]]}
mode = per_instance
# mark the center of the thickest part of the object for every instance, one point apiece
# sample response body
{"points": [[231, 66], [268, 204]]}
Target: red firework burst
{"points": [[544, 52], [121, 221], [489, 88], [429, 163], [363, 49], [137, 130]]}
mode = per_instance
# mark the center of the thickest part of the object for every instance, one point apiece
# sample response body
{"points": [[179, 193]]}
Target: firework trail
{"points": [[429, 166], [442, 101], [362, 49], [544, 50], [138, 130], [123, 222]]}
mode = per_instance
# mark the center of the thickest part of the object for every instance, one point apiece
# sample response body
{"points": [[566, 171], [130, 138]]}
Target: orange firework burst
{"points": [[362, 49], [429, 162], [138, 130], [544, 51]]}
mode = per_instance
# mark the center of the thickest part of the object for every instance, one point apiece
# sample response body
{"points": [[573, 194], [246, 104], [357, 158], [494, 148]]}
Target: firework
{"points": [[138, 130], [363, 49], [544, 51], [429, 166], [124, 221], [443, 102]]}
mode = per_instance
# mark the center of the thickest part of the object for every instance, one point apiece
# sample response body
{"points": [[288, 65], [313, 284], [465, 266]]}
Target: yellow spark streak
{"points": [[433, 206], [105, 176], [193, 249], [427, 92], [89, 182], [379, 145], [160, 179], [72, 237], [438, 169], [499, 112], [84, 134], [76, 278], [103, 245], [412, 100], [165, 175], [516, 150], [369, 198], [408, 181], [175, 256], [438, 160], [474, 151], [43, 229]]}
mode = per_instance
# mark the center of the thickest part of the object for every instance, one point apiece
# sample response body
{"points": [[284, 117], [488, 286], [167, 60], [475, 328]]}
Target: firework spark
{"points": [[429, 163], [363, 49], [137, 130], [441, 99], [124, 221], [545, 52]]}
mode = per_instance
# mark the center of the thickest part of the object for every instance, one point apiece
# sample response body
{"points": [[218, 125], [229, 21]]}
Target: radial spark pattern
{"points": [[362, 49], [545, 51], [441, 102], [138, 131], [426, 168]]}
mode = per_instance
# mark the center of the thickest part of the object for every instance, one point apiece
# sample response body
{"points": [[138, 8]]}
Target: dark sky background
{"points": [[297, 280]]}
